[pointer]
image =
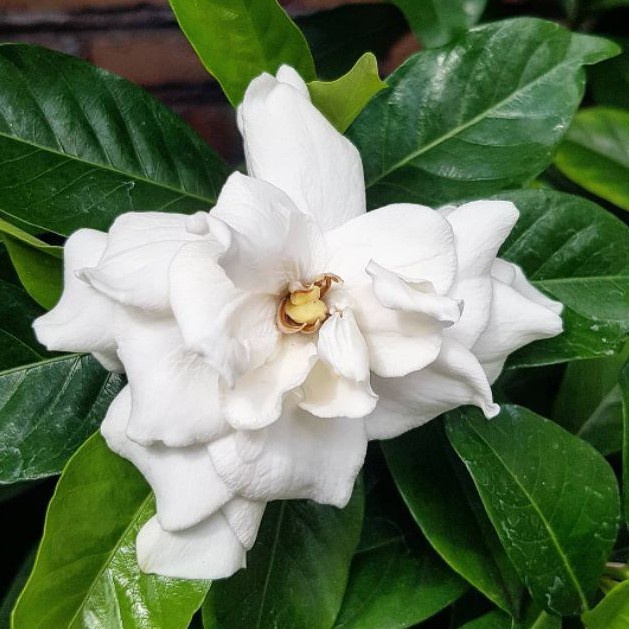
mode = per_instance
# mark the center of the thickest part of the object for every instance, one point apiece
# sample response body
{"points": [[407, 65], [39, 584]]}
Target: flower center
{"points": [[303, 309]]}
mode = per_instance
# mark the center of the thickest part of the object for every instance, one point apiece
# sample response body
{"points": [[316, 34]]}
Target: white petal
{"points": [[339, 385], [411, 240], [82, 321], [175, 393], [134, 267], [209, 550], [515, 321], [272, 242], [244, 517], [395, 292], [475, 294], [328, 395], [480, 227], [299, 456], [290, 144], [186, 485], [255, 401], [454, 379], [290, 76], [233, 329], [518, 281], [398, 342]]}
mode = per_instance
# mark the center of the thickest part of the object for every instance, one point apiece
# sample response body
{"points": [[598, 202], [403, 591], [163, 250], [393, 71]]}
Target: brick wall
{"points": [[140, 40]]}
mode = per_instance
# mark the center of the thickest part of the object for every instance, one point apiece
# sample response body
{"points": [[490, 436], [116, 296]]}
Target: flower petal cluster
{"points": [[267, 341]]}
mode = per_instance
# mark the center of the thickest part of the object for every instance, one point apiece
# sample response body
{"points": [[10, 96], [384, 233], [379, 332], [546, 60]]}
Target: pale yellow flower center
{"points": [[303, 309]]}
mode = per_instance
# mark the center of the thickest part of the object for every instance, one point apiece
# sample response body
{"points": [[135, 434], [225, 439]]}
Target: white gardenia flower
{"points": [[266, 342]]}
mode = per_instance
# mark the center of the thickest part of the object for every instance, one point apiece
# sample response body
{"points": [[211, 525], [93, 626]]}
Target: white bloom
{"points": [[266, 342]]}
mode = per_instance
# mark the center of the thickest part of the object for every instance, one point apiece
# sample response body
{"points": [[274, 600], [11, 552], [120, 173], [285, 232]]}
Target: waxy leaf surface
{"points": [[90, 578], [477, 116], [552, 499]]}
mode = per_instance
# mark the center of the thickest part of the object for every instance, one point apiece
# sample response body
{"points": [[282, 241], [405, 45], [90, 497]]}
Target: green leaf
{"points": [[38, 264], [533, 619], [81, 146], [475, 117], [612, 612], [16, 233], [338, 38], [589, 402], [296, 572], [609, 80], [342, 100], [47, 410], [396, 580], [49, 404], [40, 273], [595, 153], [576, 252], [18, 344], [89, 578], [624, 388], [437, 22], [495, 619], [449, 513], [237, 40], [553, 500]]}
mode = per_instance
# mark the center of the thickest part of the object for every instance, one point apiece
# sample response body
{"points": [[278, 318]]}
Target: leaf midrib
{"points": [[47, 361], [108, 168], [456, 130], [546, 524], [110, 557]]}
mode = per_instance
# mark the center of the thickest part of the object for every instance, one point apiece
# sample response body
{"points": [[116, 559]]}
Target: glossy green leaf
{"points": [[40, 273], [553, 500], [449, 513], [47, 410], [589, 401], [49, 403], [296, 572], [475, 117], [16, 233], [595, 153], [237, 40], [495, 619], [338, 38], [342, 100], [624, 388], [18, 344], [437, 22], [538, 619], [81, 146], [612, 612], [396, 580], [577, 253], [90, 578], [38, 265]]}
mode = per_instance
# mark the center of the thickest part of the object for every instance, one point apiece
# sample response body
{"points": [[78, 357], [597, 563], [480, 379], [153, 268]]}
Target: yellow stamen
{"points": [[303, 309], [304, 306]]}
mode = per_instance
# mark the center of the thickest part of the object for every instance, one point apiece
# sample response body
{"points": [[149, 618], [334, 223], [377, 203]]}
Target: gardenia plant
{"points": [[266, 342]]}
